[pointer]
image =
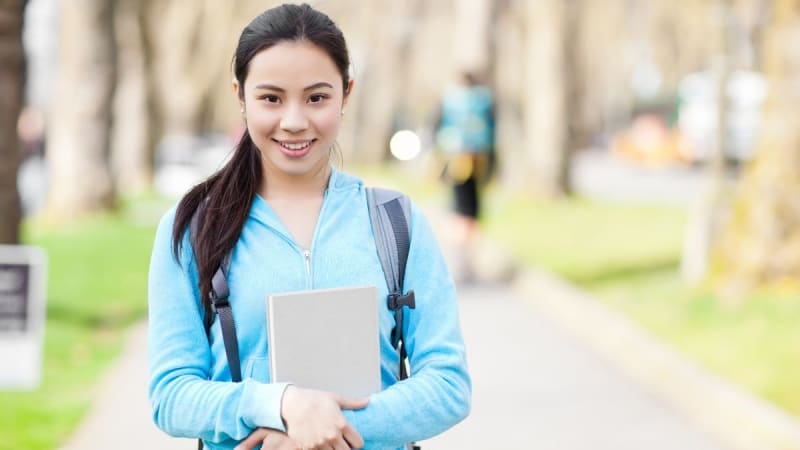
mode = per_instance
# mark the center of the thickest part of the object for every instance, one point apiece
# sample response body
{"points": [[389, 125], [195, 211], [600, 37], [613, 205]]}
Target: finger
{"points": [[354, 440], [273, 441], [255, 438], [339, 444], [352, 403]]}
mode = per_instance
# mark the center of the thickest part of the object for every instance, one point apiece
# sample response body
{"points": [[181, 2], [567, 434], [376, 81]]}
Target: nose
{"points": [[294, 119]]}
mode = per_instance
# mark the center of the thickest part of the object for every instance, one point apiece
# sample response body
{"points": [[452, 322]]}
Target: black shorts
{"points": [[466, 197]]}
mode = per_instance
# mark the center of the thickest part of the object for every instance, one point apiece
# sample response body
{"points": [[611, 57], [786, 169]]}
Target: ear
{"points": [[235, 85], [350, 85]]}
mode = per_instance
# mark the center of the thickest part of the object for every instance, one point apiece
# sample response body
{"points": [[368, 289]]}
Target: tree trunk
{"points": [[12, 69], [132, 155], [379, 73], [184, 58], [577, 133], [762, 242], [706, 215], [552, 118], [78, 147]]}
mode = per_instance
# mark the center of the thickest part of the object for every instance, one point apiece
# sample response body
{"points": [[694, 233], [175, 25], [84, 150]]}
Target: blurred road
{"points": [[598, 174], [537, 388]]}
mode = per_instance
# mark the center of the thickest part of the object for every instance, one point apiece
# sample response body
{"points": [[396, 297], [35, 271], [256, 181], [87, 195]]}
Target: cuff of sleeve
{"points": [[352, 416], [261, 404]]}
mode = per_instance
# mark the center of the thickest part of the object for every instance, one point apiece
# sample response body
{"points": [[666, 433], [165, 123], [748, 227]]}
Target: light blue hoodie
{"points": [[190, 388]]}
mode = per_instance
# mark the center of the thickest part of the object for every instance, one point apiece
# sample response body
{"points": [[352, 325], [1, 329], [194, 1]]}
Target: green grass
{"points": [[96, 287], [629, 255], [587, 242]]}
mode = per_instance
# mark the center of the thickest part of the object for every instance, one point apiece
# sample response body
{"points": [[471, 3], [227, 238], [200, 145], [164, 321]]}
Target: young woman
{"points": [[292, 222]]}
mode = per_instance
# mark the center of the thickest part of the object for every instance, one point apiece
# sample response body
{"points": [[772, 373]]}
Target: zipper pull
{"points": [[307, 256]]}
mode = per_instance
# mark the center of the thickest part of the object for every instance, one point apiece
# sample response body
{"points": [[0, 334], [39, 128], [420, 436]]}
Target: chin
{"points": [[301, 169]]}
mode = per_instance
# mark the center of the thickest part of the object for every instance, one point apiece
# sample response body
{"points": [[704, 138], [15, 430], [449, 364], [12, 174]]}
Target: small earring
{"points": [[341, 113]]}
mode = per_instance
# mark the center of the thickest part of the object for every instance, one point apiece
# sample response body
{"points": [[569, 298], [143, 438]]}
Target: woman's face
{"points": [[293, 100]]}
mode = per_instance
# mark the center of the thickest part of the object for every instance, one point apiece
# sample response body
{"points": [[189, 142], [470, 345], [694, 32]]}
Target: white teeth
{"points": [[299, 146]]}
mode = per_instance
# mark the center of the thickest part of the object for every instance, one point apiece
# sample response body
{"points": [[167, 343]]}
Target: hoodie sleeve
{"points": [[437, 394], [185, 402]]}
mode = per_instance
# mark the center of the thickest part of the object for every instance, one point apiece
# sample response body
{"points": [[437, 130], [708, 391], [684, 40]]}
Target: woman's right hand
{"points": [[314, 419]]}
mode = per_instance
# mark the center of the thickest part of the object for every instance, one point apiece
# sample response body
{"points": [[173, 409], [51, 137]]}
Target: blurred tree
{"points": [[185, 60], [708, 211], [132, 140], [78, 141], [12, 69], [554, 73], [762, 242], [379, 33], [577, 133]]}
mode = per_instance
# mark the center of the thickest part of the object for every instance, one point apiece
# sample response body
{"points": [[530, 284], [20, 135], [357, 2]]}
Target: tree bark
{"points": [[12, 69], [379, 70], [706, 215], [553, 119], [184, 59], [78, 144], [762, 242], [132, 144]]}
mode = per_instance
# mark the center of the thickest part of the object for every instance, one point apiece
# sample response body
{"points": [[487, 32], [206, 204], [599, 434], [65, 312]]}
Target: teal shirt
{"points": [[189, 386]]}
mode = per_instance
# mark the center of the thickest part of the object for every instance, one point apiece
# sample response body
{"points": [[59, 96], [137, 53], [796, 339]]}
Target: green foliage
{"points": [[629, 256], [97, 286], [586, 241]]}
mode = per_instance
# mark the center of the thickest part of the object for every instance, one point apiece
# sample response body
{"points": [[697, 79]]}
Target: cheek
{"points": [[328, 121], [263, 120]]}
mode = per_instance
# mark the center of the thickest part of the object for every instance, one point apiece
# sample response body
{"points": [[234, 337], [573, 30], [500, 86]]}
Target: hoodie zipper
{"points": [[307, 257], [307, 252]]}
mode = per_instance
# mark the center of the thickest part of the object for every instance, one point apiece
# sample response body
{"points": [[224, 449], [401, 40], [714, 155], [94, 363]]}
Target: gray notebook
{"points": [[326, 339]]}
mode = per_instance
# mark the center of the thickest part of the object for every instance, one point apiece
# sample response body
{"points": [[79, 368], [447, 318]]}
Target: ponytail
{"points": [[228, 195]]}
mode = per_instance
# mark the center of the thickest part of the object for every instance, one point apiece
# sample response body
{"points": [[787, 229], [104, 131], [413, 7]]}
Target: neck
{"points": [[276, 184]]}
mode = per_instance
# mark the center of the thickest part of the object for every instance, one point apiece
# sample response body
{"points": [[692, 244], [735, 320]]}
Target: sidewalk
{"points": [[552, 370], [120, 417], [536, 388]]}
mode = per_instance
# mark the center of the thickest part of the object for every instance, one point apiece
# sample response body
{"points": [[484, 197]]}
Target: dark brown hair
{"points": [[229, 193]]}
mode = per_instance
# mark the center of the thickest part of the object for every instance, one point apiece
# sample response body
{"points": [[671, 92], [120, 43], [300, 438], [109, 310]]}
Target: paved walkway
{"points": [[537, 388], [121, 419]]}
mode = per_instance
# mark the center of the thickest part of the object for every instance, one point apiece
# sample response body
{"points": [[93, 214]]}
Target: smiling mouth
{"points": [[296, 145]]}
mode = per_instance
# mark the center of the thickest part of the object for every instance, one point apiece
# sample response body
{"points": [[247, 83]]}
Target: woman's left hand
{"points": [[269, 439]]}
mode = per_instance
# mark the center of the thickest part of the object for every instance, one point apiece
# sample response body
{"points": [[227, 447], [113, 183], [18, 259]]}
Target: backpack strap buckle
{"points": [[397, 300], [217, 302]]}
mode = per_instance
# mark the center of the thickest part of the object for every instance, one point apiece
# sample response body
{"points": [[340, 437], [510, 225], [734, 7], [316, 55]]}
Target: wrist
{"points": [[286, 398]]}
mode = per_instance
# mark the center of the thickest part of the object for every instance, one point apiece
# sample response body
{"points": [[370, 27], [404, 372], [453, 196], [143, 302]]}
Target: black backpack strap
{"points": [[218, 304], [390, 214]]}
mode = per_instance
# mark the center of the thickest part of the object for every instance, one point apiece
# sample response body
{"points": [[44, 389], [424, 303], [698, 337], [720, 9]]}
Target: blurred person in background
{"points": [[465, 138], [289, 221]]}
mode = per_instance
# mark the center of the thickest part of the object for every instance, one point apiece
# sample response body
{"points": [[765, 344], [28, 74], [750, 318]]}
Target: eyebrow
{"points": [[272, 87]]}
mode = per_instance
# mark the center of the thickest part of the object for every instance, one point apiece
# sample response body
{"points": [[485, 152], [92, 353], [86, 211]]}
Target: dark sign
{"points": [[14, 297]]}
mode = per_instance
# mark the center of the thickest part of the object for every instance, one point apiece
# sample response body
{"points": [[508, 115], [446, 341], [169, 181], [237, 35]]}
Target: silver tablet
{"points": [[326, 339]]}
